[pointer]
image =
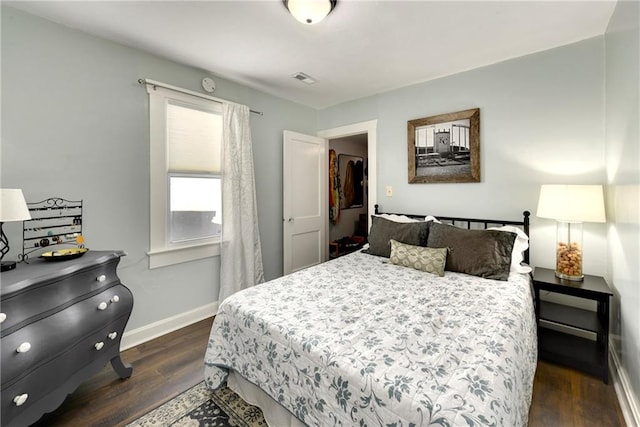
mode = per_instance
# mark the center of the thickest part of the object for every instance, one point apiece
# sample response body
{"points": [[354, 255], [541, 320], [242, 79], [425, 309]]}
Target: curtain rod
{"points": [[189, 92]]}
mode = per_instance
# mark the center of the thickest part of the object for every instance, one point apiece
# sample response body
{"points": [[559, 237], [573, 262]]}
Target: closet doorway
{"points": [[366, 134], [348, 193]]}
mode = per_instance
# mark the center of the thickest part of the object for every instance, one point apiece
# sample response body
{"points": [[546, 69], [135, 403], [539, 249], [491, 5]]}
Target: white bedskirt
{"points": [[274, 414]]}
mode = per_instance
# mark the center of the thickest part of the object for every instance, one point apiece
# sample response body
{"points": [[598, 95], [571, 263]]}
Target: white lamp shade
{"points": [[13, 206], [309, 11], [572, 203]]}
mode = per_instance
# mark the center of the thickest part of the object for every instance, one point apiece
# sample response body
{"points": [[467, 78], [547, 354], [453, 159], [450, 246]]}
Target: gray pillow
{"points": [[431, 260], [383, 230], [483, 253]]}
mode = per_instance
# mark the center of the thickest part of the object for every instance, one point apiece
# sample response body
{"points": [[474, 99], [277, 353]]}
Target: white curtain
{"points": [[241, 255]]}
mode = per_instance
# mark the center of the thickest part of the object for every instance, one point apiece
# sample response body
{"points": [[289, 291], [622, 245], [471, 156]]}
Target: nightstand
{"points": [[570, 350]]}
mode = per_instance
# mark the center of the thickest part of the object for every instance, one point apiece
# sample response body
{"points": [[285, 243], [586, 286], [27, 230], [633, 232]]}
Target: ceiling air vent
{"points": [[304, 78]]}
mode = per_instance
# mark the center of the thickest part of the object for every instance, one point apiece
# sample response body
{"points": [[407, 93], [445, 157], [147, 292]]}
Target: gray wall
{"points": [[623, 191], [75, 125], [541, 121]]}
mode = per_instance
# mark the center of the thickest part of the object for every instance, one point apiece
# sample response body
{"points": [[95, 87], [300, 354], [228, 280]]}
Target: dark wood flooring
{"points": [[166, 366]]}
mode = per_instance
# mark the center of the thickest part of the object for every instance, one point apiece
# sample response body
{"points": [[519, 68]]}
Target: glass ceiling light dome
{"points": [[310, 11]]}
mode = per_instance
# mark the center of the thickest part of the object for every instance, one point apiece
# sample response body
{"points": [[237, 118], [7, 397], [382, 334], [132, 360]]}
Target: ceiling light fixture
{"points": [[310, 11]]}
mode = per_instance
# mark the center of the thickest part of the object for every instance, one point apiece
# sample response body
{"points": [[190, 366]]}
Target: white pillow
{"points": [[520, 245], [398, 218], [432, 218], [404, 218]]}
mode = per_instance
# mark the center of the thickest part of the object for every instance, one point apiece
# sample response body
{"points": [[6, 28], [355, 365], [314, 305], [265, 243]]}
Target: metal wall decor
{"points": [[444, 148], [54, 221]]}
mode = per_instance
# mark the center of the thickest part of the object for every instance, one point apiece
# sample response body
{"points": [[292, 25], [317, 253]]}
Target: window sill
{"points": [[169, 256]]}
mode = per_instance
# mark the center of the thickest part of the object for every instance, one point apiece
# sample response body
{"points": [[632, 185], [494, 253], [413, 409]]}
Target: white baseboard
{"points": [[156, 329], [626, 396]]}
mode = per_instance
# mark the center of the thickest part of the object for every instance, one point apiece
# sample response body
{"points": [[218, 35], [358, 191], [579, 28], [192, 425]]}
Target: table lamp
{"points": [[12, 208], [570, 206]]}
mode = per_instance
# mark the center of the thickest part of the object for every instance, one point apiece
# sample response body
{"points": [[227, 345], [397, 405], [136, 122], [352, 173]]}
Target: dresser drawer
{"points": [[39, 300], [63, 373], [25, 350]]}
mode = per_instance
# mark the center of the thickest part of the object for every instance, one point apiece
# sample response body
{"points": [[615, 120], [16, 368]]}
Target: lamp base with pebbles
{"points": [[569, 251]]}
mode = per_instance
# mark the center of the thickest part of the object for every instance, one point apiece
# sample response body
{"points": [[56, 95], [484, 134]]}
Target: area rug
{"points": [[202, 407]]}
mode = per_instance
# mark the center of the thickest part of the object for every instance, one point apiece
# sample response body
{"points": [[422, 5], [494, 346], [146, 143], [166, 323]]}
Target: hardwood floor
{"points": [[566, 397], [168, 365], [162, 369]]}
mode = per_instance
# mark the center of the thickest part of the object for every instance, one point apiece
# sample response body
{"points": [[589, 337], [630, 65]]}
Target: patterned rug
{"points": [[200, 407]]}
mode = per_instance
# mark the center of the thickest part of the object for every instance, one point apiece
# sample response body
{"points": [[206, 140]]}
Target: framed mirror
{"points": [[351, 170]]}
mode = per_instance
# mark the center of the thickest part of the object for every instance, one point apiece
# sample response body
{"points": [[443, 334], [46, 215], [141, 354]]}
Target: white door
{"points": [[305, 200]]}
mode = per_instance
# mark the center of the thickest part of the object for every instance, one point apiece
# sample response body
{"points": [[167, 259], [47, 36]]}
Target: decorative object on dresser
{"points": [[570, 205], [571, 350], [54, 222], [12, 208], [61, 322]]}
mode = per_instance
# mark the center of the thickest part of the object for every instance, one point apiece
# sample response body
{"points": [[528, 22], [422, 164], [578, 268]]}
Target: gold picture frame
{"points": [[444, 148]]}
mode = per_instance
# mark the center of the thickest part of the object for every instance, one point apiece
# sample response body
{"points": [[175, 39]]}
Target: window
{"points": [[186, 203], [191, 216]]}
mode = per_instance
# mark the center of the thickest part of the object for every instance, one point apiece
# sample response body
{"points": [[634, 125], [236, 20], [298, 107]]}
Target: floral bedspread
{"points": [[358, 341]]}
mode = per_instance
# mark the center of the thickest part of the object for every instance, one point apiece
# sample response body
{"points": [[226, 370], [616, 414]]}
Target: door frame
{"points": [[370, 128]]}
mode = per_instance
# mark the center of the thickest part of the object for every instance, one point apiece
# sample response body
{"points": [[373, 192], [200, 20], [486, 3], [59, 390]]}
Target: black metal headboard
{"points": [[486, 223]]}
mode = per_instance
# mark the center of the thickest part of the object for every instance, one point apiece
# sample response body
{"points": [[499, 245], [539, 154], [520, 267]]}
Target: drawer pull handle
{"points": [[3, 317], [102, 306], [20, 399], [98, 346], [101, 278], [115, 298], [24, 347], [112, 335]]}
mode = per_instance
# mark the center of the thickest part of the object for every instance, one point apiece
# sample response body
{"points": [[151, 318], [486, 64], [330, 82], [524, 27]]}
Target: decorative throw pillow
{"points": [[383, 230], [520, 245], [483, 253], [431, 260]]}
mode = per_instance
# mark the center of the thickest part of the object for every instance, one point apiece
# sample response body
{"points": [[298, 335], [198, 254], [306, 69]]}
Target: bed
{"points": [[371, 340]]}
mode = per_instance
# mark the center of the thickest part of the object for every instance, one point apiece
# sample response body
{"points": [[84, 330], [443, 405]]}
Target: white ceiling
{"points": [[360, 49]]}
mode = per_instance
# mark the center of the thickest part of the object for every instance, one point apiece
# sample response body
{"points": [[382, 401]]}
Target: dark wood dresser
{"points": [[61, 322]]}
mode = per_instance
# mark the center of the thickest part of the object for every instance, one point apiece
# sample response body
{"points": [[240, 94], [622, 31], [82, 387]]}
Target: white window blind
{"points": [[194, 137]]}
